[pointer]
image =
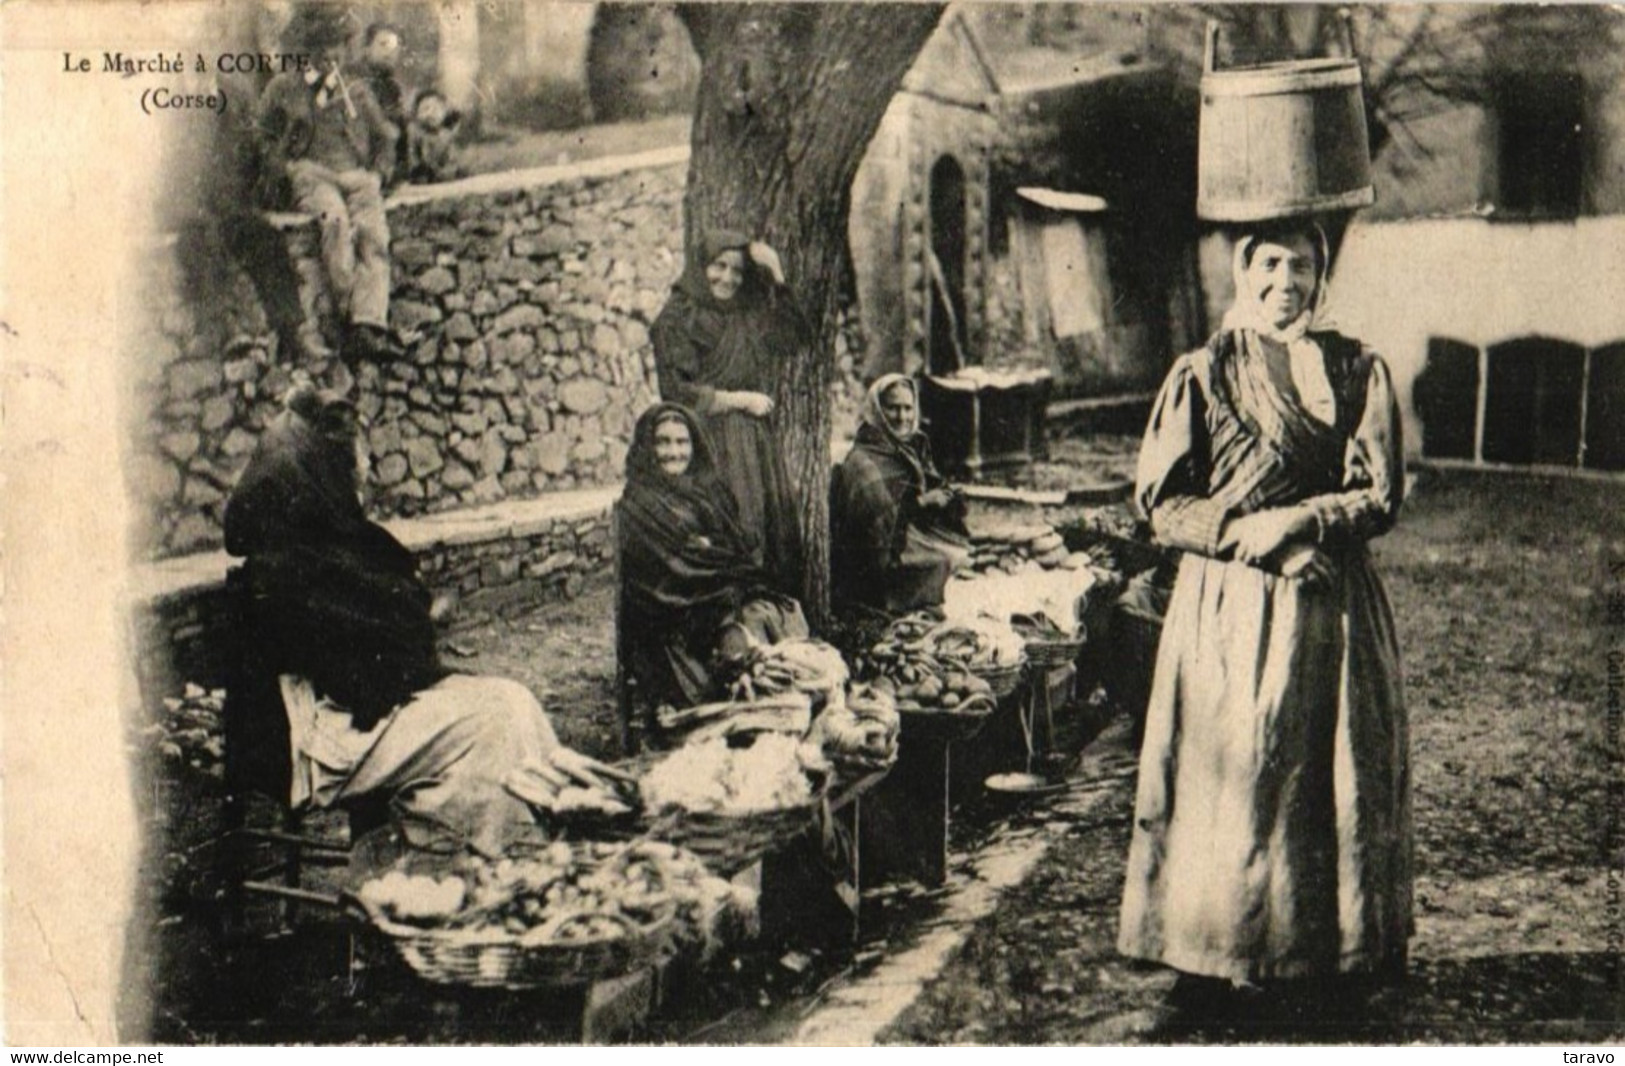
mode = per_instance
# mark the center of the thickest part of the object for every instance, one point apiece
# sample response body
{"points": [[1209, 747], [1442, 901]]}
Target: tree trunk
{"points": [[460, 53], [790, 95]]}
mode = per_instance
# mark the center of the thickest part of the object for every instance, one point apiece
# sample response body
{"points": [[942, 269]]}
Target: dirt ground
{"points": [[1499, 586]]}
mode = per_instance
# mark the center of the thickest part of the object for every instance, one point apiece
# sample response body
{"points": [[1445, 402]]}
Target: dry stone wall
{"points": [[534, 306]]}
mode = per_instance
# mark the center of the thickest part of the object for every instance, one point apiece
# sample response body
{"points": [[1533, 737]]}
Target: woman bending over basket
{"points": [[335, 660]]}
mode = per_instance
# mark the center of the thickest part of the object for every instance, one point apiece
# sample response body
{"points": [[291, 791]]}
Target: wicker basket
{"points": [[1051, 653], [857, 767], [589, 825], [727, 843], [1003, 680], [942, 724], [495, 958]]}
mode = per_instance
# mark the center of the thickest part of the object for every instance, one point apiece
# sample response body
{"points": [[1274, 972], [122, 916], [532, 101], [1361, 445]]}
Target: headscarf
{"points": [[712, 244], [301, 485], [682, 541], [335, 597], [1304, 421], [735, 343], [875, 432], [1247, 313]]}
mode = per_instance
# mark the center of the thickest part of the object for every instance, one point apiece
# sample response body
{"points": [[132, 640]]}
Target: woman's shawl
{"points": [[682, 546], [703, 344], [903, 459], [1232, 433], [332, 596], [875, 496]]}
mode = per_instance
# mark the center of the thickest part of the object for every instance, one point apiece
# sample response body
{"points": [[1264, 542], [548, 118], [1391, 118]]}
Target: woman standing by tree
{"points": [[1272, 833], [717, 343]]}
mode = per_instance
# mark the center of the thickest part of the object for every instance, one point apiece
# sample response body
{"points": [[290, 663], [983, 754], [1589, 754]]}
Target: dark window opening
{"points": [[949, 338], [1446, 397], [1539, 120], [1532, 402], [1605, 409]]}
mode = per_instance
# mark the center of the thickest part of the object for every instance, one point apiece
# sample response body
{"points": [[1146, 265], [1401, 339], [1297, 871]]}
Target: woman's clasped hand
{"points": [[755, 404], [1282, 540]]}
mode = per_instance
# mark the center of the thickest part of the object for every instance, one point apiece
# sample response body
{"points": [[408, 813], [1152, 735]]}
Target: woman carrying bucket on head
{"points": [[1272, 835]]}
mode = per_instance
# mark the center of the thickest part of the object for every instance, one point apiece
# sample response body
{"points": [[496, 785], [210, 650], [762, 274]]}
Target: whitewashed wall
{"points": [[1400, 283]]}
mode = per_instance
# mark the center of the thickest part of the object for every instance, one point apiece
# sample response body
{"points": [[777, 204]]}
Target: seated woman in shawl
{"points": [[718, 342], [335, 658], [691, 577], [897, 528]]}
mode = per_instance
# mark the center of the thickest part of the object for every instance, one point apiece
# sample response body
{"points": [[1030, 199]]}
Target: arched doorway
{"points": [[949, 344]]}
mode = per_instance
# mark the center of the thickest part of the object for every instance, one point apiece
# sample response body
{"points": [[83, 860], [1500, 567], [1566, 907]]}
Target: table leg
{"points": [[903, 833]]}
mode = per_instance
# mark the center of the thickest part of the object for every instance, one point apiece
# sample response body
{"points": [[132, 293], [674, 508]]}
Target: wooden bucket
{"points": [[1281, 139]]}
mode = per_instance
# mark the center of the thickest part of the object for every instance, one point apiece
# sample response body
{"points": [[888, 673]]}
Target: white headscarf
{"points": [[1248, 313], [1307, 361]]}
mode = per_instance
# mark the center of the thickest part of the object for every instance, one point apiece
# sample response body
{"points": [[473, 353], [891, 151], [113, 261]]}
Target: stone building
{"points": [[919, 225], [956, 266]]}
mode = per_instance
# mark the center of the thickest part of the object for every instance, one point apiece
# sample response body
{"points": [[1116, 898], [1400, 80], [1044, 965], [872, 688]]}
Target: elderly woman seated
{"points": [[338, 694], [897, 528], [692, 592]]}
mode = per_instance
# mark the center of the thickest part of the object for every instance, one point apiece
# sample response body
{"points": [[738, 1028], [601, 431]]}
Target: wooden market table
{"points": [[903, 833]]}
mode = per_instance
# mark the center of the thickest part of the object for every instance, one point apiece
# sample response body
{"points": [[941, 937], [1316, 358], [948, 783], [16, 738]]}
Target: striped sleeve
{"points": [[1374, 468], [1172, 477]]}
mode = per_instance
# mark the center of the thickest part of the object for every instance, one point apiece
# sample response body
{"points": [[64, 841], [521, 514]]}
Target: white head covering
{"points": [[1247, 313], [1307, 361]]}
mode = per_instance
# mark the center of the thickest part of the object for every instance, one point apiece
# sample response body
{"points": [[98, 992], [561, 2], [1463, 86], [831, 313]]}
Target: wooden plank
{"points": [[1066, 408], [1000, 494]]}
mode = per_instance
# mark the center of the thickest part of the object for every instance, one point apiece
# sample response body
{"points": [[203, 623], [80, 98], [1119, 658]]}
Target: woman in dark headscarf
{"points": [[690, 570], [718, 343], [335, 660], [897, 528], [1272, 833]]}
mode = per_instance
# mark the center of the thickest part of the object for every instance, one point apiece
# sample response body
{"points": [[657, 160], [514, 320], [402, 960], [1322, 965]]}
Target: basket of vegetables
{"points": [[945, 669], [709, 909], [985, 647], [561, 916], [731, 804], [577, 795], [858, 736], [934, 700], [797, 665], [1046, 643]]}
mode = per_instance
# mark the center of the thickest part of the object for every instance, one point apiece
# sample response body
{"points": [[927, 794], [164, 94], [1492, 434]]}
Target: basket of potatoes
{"points": [[929, 695]]}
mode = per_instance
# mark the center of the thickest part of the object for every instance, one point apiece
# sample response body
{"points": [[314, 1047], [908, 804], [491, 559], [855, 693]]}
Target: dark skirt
{"points": [[749, 462]]}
